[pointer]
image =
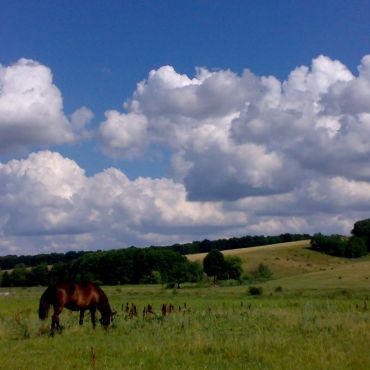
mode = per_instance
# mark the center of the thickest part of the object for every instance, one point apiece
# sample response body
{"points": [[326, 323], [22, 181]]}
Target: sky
{"points": [[159, 122]]}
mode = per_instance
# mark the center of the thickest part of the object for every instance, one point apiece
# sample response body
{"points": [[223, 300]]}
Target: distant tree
{"points": [[340, 246], [18, 276], [195, 271], [356, 247], [38, 275], [214, 264], [361, 229], [334, 245], [233, 267], [178, 273], [6, 281]]}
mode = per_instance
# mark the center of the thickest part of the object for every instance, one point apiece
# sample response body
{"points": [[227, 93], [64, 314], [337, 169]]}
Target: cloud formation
{"points": [[249, 155], [31, 109], [234, 136], [48, 196]]}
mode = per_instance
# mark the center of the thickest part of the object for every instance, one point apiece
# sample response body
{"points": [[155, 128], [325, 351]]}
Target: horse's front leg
{"points": [[82, 313], [93, 316]]}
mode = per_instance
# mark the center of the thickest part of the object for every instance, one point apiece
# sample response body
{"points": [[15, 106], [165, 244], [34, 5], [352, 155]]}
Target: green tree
{"points": [[214, 264], [233, 267], [195, 271], [6, 281], [356, 247], [361, 229], [178, 273], [18, 276], [38, 275]]}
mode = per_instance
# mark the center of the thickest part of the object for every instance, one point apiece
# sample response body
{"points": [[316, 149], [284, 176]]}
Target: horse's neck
{"points": [[104, 306]]}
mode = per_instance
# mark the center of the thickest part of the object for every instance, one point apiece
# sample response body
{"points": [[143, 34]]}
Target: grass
{"points": [[225, 328], [308, 317]]}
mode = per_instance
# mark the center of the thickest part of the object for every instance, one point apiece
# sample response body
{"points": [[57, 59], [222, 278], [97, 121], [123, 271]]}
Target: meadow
{"points": [[308, 317]]}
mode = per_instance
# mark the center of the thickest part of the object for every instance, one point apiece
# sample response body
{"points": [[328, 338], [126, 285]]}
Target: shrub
{"points": [[255, 290], [262, 272]]}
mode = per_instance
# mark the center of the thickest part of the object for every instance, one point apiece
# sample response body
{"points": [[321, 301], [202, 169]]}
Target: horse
{"points": [[75, 297]]}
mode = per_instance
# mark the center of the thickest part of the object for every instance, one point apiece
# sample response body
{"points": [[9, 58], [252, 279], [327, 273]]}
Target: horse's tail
{"points": [[45, 302]]}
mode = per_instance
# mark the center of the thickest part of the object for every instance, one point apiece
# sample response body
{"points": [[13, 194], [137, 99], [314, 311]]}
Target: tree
{"points": [[38, 275], [6, 281], [356, 247], [214, 264], [18, 276], [233, 267], [195, 271], [178, 273], [334, 245], [361, 229]]}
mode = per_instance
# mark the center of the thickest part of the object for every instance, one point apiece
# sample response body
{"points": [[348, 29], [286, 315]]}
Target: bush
{"points": [[262, 272], [255, 290]]}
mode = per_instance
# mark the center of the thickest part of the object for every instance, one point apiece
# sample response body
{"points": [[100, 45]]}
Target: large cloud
{"points": [[48, 198], [250, 155], [234, 136], [31, 109], [47, 203]]}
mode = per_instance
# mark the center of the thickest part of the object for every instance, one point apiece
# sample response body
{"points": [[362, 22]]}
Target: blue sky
{"points": [[196, 152]]}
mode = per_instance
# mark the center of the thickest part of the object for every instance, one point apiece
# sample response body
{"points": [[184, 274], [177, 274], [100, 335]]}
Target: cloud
{"points": [[234, 136], [49, 198], [79, 121], [47, 203], [123, 135], [249, 155], [31, 109]]}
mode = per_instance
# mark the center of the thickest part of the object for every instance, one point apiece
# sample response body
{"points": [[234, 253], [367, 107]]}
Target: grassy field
{"points": [[315, 318]]}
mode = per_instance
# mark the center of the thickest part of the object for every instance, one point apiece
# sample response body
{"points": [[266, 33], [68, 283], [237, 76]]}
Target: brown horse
{"points": [[75, 297]]}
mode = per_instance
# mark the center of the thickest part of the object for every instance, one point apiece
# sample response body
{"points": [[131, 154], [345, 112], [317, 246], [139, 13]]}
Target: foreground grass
{"points": [[222, 328]]}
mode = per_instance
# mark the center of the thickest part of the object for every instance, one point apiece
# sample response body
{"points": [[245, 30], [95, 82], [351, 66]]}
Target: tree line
{"points": [[10, 261], [356, 246], [115, 267]]}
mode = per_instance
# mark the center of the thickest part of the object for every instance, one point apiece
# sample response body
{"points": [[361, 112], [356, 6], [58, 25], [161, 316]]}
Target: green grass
{"points": [[225, 328]]}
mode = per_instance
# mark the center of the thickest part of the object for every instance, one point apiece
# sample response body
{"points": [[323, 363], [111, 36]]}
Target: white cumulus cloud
{"points": [[31, 109]]}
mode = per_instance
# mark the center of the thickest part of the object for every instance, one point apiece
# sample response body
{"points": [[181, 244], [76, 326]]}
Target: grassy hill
{"points": [[296, 267]]}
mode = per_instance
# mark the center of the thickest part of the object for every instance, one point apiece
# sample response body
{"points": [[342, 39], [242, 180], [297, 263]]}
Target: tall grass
{"points": [[222, 328]]}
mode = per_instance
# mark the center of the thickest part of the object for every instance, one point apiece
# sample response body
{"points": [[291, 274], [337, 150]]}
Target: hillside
{"points": [[296, 266]]}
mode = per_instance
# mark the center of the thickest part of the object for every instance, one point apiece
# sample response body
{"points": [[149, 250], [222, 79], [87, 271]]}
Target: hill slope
{"points": [[296, 266]]}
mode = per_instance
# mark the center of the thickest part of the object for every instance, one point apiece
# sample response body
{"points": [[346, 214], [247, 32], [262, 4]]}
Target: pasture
{"points": [[315, 319]]}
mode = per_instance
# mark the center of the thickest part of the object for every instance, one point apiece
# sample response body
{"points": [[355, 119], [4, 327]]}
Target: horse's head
{"points": [[107, 318]]}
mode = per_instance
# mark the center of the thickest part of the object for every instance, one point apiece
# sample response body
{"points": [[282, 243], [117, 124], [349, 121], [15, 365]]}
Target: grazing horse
{"points": [[75, 297]]}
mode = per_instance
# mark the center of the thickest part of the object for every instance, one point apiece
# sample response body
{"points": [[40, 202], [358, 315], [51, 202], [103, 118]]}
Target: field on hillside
{"points": [[297, 259], [318, 319]]}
